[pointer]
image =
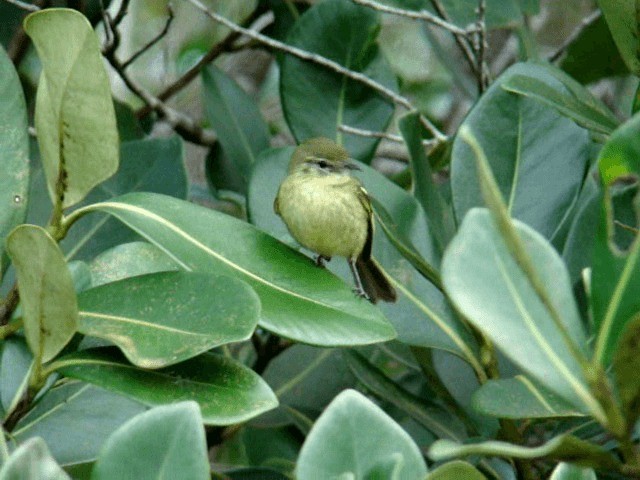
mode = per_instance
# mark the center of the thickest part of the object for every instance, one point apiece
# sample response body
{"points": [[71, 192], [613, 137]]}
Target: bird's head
{"points": [[321, 155]]}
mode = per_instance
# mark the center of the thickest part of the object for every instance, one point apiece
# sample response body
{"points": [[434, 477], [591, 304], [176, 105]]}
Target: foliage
{"points": [[159, 323]]}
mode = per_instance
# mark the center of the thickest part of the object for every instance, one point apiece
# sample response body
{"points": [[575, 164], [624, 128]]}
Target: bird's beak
{"points": [[352, 165]]}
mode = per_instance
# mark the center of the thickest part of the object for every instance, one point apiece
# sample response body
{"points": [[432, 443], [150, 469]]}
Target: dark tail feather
{"points": [[374, 281]]}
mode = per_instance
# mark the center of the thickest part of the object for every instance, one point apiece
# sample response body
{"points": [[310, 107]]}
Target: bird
{"points": [[328, 211]]}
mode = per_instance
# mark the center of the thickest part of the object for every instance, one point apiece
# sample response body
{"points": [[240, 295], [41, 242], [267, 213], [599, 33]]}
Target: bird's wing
{"points": [[365, 201]]}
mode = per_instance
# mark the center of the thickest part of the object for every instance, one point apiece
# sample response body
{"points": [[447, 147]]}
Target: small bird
{"points": [[329, 212]]}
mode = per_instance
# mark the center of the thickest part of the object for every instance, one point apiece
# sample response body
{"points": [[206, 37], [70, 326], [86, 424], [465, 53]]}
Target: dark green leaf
{"points": [[316, 100], [299, 300], [164, 318], [32, 460], [226, 391], [236, 120], [75, 419], [488, 286], [47, 294], [456, 470], [528, 145], [75, 118], [355, 439], [519, 397], [165, 442], [622, 18], [14, 150], [15, 364]]}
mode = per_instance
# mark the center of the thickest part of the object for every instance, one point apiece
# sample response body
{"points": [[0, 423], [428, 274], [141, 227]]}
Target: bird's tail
{"points": [[375, 282]]}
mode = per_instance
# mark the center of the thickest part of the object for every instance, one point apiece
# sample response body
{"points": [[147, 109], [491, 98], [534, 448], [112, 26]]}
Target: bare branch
{"points": [[320, 60], [30, 7], [153, 41], [586, 22], [480, 47], [414, 14], [461, 40], [384, 135]]}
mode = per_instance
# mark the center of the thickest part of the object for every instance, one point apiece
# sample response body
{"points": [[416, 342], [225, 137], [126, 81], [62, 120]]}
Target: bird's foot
{"points": [[320, 259], [359, 292]]}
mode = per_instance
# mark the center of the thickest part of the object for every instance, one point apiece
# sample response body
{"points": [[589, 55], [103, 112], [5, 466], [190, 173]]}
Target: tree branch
{"points": [[320, 60], [30, 7], [151, 42]]}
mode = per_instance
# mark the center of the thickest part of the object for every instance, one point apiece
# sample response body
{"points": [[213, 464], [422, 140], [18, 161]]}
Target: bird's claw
{"points": [[320, 259], [361, 293]]}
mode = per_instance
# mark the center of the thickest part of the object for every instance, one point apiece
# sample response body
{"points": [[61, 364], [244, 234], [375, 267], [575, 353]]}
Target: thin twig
{"points": [[320, 60], [480, 47], [586, 22], [414, 14], [370, 134], [461, 40], [153, 41], [30, 7]]}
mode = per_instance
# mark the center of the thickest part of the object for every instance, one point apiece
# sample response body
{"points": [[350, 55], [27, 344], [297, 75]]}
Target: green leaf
{"points": [[129, 260], [593, 55], [564, 447], [299, 300], [593, 115], [568, 471], [316, 100], [626, 363], [164, 318], [226, 391], [519, 397], [47, 294], [354, 438], [236, 120], [428, 414], [75, 117], [456, 470], [165, 442], [14, 150], [615, 274], [15, 365], [439, 213], [62, 416], [421, 316], [622, 18], [150, 165], [528, 145], [32, 460], [488, 286]]}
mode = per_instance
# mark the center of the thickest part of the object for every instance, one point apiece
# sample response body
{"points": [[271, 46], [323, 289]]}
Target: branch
{"points": [[480, 47], [414, 14], [586, 22], [24, 5], [461, 40], [320, 60], [151, 42], [387, 136]]}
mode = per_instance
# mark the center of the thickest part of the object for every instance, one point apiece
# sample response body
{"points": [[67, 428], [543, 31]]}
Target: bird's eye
{"points": [[323, 164]]}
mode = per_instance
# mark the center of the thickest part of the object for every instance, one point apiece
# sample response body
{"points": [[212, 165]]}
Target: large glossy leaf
{"points": [[316, 100], [150, 165], [528, 144], [622, 18], [129, 260], [615, 273], [15, 364], [569, 471], [421, 316], [564, 447], [519, 397], [32, 460], [62, 418], [428, 414], [355, 439], [493, 292], [585, 110], [75, 118], [236, 119], [14, 150], [299, 300], [47, 294], [164, 318], [226, 391], [165, 442]]}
